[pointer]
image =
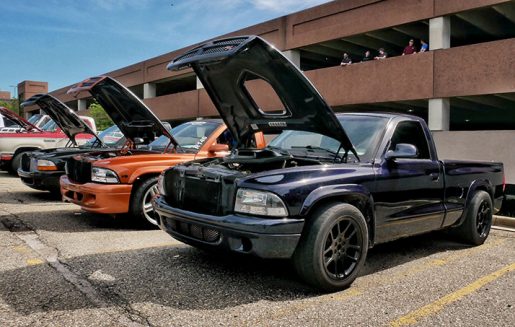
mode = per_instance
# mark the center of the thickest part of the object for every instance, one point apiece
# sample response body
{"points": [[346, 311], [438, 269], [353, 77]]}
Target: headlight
{"points": [[259, 203], [45, 165], [161, 184], [103, 175]]}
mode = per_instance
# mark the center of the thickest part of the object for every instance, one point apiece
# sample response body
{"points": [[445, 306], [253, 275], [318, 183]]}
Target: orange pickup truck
{"points": [[124, 181]]}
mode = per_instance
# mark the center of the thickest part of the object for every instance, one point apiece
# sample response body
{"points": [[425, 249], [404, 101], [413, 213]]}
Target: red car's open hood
{"points": [[18, 119], [61, 114]]}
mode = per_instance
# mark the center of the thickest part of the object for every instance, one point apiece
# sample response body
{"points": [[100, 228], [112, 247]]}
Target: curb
{"points": [[503, 222]]}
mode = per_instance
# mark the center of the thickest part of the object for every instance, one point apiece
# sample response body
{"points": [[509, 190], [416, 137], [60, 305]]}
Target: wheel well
{"points": [[19, 150], [470, 195], [483, 188], [140, 179], [361, 202]]}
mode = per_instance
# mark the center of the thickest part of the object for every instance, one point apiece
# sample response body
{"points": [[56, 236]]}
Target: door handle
{"points": [[434, 176]]}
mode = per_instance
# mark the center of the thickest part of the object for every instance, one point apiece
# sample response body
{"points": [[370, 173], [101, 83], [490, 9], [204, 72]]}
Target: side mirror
{"points": [[217, 147], [402, 150], [138, 141]]}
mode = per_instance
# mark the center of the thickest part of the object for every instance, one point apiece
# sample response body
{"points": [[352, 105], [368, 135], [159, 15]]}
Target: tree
{"points": [[98, 113], [11, 105]]}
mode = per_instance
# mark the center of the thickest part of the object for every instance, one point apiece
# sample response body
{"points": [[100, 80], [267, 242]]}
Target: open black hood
{"points": [[61, 114], [18, 120], [127, 111], [225, 65]]}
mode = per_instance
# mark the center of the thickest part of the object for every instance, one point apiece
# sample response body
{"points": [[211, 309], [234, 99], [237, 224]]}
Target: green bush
{"points": [[98, 113]]}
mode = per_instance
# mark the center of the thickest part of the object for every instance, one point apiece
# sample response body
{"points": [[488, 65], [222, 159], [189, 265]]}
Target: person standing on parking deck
{"points": [[367, 56], [410, 48], [346, 60]]}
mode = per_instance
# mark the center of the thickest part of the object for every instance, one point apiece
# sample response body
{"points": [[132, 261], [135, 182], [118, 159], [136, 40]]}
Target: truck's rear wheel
{"points": [[333, 247], [478, 220], [141, 205]]}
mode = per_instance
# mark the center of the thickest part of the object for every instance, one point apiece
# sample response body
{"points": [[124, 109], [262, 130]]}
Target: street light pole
{"points": [[15, 89]]}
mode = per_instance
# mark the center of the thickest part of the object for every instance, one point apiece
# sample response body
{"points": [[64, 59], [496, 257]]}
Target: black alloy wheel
{"points": [[342, 249], [333, 247], [484, 218]]}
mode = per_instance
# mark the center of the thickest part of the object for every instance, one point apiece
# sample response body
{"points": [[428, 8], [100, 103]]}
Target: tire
{"points": [[333, 247], [139, 207], [478, 220], [16, 163]]}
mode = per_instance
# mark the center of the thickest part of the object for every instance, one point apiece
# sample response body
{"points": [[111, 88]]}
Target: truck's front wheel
{"points": [[141, 205], [333, 247], [16, 162]]}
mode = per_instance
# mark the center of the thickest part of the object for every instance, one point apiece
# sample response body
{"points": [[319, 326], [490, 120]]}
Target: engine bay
{"points": [[99, 155], [249, 161]]}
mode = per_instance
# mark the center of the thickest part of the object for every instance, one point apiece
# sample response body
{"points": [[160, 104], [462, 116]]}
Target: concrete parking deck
{"points": [[60, 267]]}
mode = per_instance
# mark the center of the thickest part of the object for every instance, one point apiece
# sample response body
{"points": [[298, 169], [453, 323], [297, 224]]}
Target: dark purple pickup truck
{"points": [[328, 187]]}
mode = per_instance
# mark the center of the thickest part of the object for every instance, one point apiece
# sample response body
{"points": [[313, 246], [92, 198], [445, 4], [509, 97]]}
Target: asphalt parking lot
{"points": [[63, 267]]}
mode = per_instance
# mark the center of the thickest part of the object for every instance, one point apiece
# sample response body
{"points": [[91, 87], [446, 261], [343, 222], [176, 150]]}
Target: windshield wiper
{"points": [[276, 148], [314, 148]]}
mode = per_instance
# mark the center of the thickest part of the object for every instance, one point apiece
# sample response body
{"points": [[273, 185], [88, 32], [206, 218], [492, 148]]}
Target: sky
{"points": [[65, 41]]}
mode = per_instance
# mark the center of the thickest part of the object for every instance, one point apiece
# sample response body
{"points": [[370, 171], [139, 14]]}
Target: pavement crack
{"points": [[26, 233], [116, 298]]}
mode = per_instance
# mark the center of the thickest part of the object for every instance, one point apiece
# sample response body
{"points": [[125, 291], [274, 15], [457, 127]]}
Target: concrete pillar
{"points": [[439, 112], [294, 56], [199, 84], [440, 33], [149, 90], [81, 104]]}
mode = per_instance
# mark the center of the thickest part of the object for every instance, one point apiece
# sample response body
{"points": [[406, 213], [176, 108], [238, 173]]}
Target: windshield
{"points": [[6, 122], [110, 137], [50, 126], [33, 119], [363, 131], [39, 120], [190, 135]]}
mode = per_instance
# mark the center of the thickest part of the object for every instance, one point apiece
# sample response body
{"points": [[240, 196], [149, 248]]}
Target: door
{"points": [[410, 191]]}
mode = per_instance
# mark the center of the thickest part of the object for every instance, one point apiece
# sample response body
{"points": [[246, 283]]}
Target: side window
{"points": [[411, 132]]}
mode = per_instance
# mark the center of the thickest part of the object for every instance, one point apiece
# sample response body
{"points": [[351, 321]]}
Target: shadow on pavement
{"points": [[72, 221], [184, 278]]}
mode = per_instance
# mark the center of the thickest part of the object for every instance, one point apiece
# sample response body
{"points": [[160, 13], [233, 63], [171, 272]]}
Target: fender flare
{"points": [[478, 184], [25, 149], [341, 193], [144, 172]]}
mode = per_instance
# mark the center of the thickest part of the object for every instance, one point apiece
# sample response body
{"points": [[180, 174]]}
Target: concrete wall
{"points": [[393, 79], [177, 105], [483, 68], [26, 89], [5, 95], [478, 145]]}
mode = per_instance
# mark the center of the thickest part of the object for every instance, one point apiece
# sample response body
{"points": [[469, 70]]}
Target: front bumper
{"points": [[96, 197], [263, 237], [46, 181]]}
